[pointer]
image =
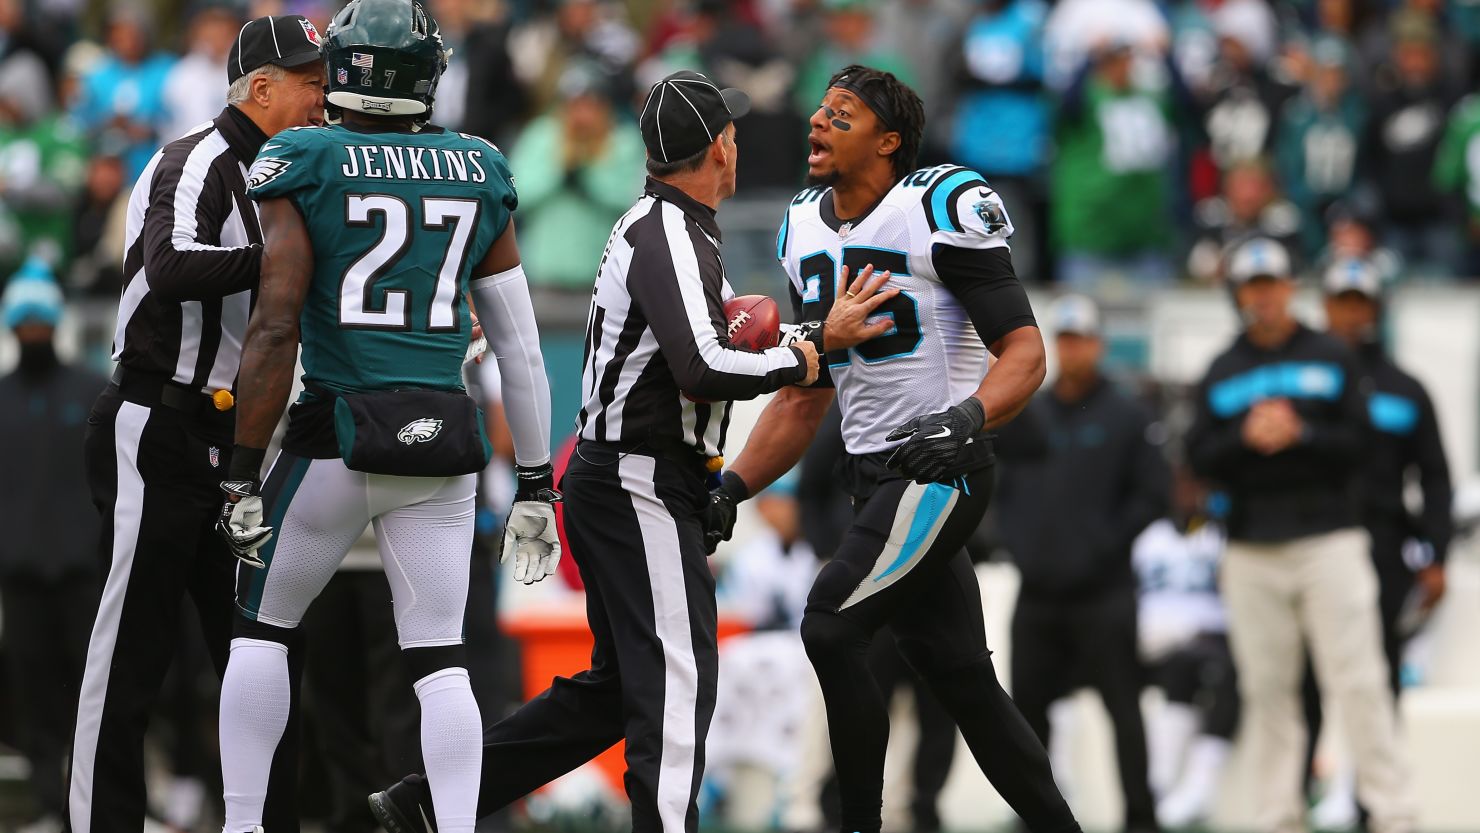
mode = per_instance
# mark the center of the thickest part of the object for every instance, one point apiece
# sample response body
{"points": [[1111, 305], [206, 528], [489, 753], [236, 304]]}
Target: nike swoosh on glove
{"points": [[933, 443], [240, 522], [530, 534]]}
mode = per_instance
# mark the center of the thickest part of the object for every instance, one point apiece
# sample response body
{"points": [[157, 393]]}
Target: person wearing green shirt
{"points": [[850, 39], [1318, 140], [1110, 179], [1457, 168], [42, 159], [577, 168]]}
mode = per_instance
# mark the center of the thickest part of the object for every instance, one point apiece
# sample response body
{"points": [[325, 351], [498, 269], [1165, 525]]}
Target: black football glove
{"points": [[719, 515], [933, 443], [240, 522]]}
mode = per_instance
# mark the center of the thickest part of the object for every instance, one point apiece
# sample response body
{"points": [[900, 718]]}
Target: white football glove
{"points": [[530, 534], [240, 522], [531, 537]]}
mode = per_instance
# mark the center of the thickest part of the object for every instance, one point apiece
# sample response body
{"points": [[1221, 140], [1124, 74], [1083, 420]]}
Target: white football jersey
{"points": [[1178, 574], [933, 357]]}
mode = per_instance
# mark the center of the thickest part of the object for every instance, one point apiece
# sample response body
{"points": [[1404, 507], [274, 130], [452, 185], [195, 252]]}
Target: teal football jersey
{"points": [[397, 222]]}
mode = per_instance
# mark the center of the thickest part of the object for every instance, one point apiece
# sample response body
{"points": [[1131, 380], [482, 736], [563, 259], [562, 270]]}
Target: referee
{"points": [[160, 435], [658, 372]]}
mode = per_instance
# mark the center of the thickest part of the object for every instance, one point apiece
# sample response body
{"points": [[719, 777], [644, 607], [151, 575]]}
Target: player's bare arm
{"points": [[1016, 375], [266, 378], [271, 348], [778, 440], [781, 435]]}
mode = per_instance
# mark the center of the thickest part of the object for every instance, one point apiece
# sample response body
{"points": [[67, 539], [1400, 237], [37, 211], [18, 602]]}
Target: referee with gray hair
{"points": [[658, 377], [160, 435]]}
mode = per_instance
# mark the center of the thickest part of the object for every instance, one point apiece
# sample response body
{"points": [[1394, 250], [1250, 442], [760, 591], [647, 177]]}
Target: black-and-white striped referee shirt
{"points": [[656, 330], [192, 257]]}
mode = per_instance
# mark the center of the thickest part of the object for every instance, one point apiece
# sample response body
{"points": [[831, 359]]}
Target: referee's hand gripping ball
{"points": [[933, 443], [530, 535], [240, 522]]}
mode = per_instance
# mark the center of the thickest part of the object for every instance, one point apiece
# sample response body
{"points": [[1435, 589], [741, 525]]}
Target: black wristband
{"points": [[246, 463], [732, 485], [978, 412], [532, 479]]}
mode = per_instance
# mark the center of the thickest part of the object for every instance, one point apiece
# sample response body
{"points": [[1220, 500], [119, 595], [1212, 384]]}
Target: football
{"points": [[753, 322]]}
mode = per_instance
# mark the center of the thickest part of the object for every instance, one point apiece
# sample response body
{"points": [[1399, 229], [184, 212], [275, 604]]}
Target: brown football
{"points": [[754, 322]]}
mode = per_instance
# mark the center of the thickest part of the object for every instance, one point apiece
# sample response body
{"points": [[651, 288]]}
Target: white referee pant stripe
{"points": [[128, 513], [671, 618]]}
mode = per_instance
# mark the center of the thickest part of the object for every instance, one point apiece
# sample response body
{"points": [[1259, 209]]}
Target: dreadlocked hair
{"points": [[909, 112]]}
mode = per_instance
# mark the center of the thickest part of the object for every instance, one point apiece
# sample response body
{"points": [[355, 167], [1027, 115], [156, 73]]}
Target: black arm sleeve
{"points": [[680, 299], [985, 283], [1342, 438], [183, 258], [1436, 524], [1214, 446]]}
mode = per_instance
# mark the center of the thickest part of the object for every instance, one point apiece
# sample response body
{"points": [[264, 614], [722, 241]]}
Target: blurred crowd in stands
{"points": [[1130, 138]]}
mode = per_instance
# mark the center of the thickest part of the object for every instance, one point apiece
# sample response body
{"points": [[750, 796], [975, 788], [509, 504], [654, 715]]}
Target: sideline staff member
{"points": [[1069, 519], [1281, 425], [160, 437]]}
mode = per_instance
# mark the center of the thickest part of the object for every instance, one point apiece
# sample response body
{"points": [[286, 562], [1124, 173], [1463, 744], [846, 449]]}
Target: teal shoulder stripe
{"points": [[940, 199]]}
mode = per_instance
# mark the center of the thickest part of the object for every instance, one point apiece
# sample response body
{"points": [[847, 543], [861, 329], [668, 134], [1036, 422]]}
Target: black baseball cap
{"points": [[288, 40], [684, 112]]}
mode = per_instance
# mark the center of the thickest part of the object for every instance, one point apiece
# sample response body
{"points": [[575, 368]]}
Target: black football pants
{"points": [[902, 564]]}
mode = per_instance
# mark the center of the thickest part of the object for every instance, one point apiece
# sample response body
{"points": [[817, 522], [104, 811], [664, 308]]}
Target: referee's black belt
{"points": [[153, 390], [669, 449]]}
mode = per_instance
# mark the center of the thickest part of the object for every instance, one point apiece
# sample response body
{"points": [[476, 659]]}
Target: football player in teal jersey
{"points": [[379, 231]]}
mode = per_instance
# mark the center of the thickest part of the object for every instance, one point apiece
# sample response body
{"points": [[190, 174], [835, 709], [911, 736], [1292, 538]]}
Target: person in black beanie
{"points": [[48, 573]]}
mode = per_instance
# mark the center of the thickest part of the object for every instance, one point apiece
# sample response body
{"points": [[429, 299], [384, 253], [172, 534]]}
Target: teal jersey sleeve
{"points": [[284, 165]]}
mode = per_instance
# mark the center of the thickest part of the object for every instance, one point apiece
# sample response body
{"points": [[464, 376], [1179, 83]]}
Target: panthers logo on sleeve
{"points": [[991, 213]]}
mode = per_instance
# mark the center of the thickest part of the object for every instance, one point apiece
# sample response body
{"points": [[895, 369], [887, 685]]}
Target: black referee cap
{"points": [[288, 40], [685, 112]]}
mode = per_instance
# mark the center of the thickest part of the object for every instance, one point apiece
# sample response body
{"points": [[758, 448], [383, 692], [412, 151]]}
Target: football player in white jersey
{"points": [[916, 403]]}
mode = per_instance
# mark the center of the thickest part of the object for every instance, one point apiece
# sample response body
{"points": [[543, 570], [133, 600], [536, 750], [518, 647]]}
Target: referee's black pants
{"points": [[634, 527], [155, 474], [902, 563]]}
